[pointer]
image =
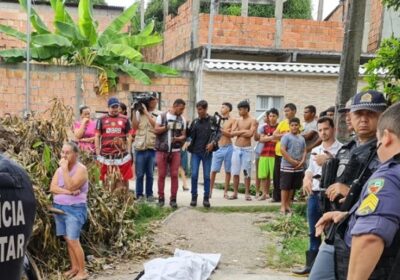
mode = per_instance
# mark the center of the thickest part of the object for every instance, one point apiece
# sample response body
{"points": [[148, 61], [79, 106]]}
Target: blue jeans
{"points": [[324, 264], [313, 215], [144, 164], [206, 159]]}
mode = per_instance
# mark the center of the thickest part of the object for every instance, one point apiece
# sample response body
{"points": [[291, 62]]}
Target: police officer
{"points": [[352, 159], [17, 205], [370, 241], [364, 114]]}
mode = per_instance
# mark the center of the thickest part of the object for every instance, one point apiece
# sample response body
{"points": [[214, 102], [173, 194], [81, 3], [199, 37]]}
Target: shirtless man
{"points": [[224, 153], [244, 129]]}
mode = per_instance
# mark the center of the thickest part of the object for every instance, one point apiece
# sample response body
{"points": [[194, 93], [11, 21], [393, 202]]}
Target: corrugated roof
{"points": [[283, 67]]}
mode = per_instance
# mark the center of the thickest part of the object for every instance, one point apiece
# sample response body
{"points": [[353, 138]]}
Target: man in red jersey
{"points": [[113, 142]]}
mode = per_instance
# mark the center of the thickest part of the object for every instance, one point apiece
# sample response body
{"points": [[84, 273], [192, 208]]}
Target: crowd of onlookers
{"points": [[133, 145]]}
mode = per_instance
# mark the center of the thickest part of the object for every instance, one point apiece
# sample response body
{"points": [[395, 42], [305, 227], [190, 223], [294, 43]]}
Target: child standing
{"points": [[267, 156], [293, 149]]}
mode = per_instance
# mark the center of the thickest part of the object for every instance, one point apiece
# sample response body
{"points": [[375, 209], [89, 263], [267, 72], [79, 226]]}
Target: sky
{"points": [[329, 5]]}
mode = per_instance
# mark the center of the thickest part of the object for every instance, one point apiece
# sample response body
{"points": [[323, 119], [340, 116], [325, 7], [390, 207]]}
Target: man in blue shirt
{"points": [[371, 236]]}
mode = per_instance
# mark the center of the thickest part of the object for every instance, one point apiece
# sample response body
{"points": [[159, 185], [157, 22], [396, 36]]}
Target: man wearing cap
{"points": [[144, 121], [113, 143], [352, 159]]}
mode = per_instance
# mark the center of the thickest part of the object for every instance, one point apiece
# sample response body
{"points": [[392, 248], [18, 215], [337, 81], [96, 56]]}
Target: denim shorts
{"points": [[223, 154], [70, 223], [242, 161]]}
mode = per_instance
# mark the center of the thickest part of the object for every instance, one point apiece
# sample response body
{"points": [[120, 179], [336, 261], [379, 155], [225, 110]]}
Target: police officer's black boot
{"points": [[206, 201], [310, 258], [193, 203]]}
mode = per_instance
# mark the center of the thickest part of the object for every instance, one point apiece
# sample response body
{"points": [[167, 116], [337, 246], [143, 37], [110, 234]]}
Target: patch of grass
{"points": [[147, 214], [292, 235], [242, 209]]}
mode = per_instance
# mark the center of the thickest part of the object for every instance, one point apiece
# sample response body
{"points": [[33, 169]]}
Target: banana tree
{"points": [[80, 43]]}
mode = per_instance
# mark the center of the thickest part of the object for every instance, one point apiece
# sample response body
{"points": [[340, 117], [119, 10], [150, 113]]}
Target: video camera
{"points": [[143, 98]]}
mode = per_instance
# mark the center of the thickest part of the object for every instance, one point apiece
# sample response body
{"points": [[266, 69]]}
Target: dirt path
{"points": [[235, 235]]}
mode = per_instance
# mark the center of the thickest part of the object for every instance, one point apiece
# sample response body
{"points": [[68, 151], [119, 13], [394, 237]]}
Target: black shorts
{"points": [[291, 180]]}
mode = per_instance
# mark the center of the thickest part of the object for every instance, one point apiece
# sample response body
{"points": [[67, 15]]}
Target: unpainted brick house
{"points": [[270, 61]]}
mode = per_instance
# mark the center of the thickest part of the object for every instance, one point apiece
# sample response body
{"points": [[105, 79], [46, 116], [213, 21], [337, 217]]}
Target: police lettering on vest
{"points": [[17, 213]]}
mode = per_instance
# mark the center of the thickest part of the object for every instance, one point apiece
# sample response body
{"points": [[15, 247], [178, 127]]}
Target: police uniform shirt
{"points": [[378, 209], [17, 208]]}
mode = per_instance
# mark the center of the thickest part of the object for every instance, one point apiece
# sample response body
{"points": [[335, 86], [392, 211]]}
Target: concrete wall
{"points": [[302, 90], [391, 24], [50, 82]]}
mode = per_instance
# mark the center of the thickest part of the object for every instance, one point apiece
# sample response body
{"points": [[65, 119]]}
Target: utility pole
{"points": [[28, 59], [350, 60]]}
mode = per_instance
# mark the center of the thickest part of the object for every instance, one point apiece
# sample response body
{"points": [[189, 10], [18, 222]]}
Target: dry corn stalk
{"points": [[110, 231]]}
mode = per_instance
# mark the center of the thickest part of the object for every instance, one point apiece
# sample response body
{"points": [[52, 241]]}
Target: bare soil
{"points": [[236, 236]]}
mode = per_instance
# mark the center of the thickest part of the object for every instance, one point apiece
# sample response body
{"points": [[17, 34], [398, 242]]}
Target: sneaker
{"points": [[140, 199], [150, 199], [161, 202], [173, 204]]}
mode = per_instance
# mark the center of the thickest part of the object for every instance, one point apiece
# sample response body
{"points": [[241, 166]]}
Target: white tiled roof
{"points": [[284, 67]]}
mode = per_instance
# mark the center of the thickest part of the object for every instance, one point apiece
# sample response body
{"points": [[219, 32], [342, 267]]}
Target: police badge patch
{"points": [[375, 185], [368, 205]]}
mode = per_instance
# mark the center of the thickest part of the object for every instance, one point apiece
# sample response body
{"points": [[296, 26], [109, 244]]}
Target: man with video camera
{"points": [[144, 115]]}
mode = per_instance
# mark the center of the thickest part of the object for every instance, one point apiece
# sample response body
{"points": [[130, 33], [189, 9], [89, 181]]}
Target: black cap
{"points": [[371, 100]]}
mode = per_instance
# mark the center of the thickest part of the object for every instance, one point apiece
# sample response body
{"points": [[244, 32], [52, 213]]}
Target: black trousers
{"points": [[276, 194]]}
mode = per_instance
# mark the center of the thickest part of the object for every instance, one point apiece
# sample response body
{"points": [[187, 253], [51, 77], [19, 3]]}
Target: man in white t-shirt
{"points": [[311, 185], [310, 132], [170, 132]]}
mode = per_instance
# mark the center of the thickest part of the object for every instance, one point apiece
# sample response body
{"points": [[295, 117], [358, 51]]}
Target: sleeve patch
{"points": [[368, 205], [375, 185]]}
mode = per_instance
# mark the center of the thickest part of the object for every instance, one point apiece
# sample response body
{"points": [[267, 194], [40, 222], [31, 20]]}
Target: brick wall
{"points": [[312, 35], [48, 82], [11, 14], [177, 38], [375, 30]]}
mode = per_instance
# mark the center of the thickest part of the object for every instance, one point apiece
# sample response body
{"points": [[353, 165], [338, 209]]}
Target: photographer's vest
{"points": [[145, 138], [162, 139]]}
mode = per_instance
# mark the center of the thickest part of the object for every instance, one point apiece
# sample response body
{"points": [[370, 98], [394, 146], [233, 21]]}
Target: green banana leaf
{"points": [[156, 68], [61, 14], [148, 29], [51, 40], [71, 32], [135, 73], [117, 24], [37, 53], [36, 21], [139, 41], [122, 50], [86, 22], [12, 32]]}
